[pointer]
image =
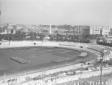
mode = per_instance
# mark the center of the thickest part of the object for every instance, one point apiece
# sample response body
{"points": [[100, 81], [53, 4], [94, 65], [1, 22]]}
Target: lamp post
{"points": [[101, 64], [103, 53]]}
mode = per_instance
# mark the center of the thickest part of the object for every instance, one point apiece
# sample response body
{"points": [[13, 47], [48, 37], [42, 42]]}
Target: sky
{"points": [[86, 12]]}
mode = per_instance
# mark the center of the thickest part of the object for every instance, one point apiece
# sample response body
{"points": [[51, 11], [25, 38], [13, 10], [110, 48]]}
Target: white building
{"points": [[3, 32], [95, 29], [100, 30], [106, 30]]}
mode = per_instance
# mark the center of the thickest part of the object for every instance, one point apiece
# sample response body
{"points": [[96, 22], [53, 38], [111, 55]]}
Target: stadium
{"points": [[50, 63]]}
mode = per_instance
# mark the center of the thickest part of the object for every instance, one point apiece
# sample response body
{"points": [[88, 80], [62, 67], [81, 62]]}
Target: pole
{"points": [[101, 64], [50, 30]]}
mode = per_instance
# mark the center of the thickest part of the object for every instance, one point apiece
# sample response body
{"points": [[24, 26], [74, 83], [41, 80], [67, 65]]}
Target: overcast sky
{"points": [[89, 12]]}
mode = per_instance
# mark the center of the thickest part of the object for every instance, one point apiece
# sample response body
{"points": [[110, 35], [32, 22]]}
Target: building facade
{"points": [[100, 30]]}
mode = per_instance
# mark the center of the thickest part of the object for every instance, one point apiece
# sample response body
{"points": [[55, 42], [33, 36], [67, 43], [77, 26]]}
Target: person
{"points": [[34, 43]]}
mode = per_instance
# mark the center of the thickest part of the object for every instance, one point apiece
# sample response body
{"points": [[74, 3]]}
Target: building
{"points": [[110, 33], [81, 30], [3, 29], [44, 29], [100, 30], [106, 30], [95, 30], [53, 29]]}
